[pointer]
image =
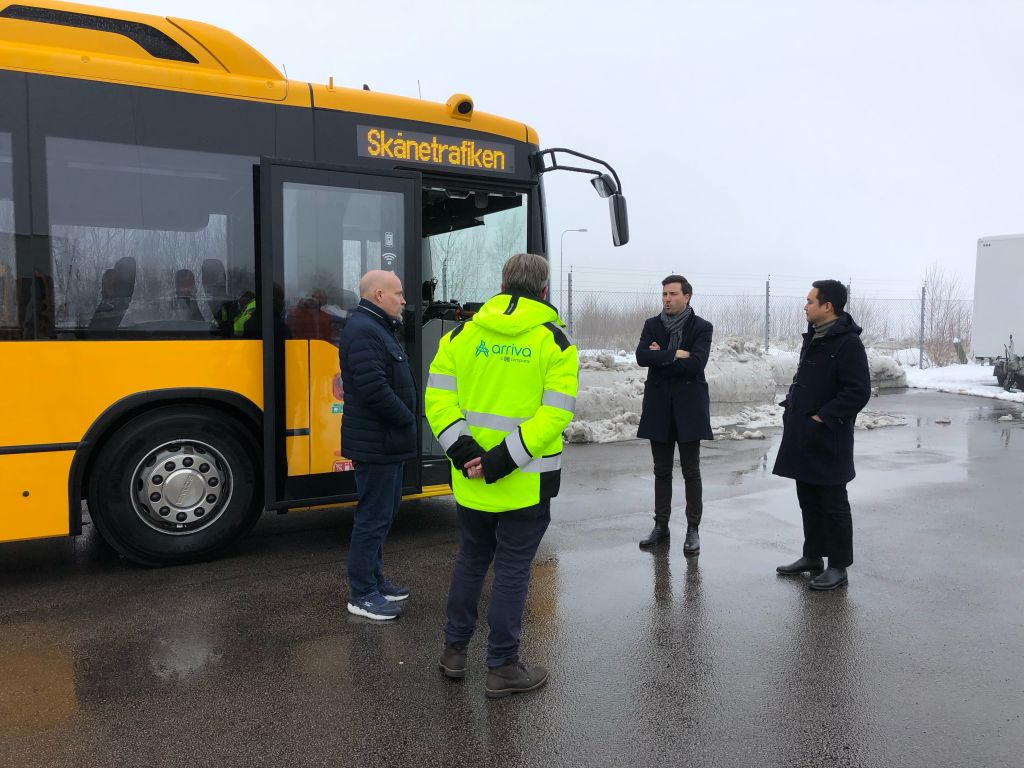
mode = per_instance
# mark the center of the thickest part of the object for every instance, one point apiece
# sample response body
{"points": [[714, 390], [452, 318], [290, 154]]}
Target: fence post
{"points": [[767, 310], [570, 301], [920, 341]]}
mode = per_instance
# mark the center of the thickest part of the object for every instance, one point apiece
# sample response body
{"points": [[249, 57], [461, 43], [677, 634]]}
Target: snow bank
{"points": [[742, 380], [969, 379], [886, 372]]}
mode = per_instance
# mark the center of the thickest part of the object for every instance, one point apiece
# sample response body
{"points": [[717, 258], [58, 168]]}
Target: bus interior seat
{"points": [[215, 284], [117, 287]]}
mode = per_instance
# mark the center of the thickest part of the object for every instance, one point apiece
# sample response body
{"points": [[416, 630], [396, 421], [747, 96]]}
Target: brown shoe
{"points": [[453, 662], [514, 678]]}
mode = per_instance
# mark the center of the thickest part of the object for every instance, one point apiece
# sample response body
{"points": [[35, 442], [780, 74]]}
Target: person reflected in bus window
{"points": [[185, 306], [243, 320], [107, 316], [309, 320]]}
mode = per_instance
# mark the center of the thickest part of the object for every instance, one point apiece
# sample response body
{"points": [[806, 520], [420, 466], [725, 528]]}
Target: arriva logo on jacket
{"points": [[507, 352]]}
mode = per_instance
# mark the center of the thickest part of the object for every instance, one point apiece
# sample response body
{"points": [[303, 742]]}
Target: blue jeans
{"points": [[510, 540], [380, 492]]}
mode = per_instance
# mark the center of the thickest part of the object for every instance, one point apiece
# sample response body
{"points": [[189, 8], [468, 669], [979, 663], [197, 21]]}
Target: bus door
{"points": [[322, 229]]}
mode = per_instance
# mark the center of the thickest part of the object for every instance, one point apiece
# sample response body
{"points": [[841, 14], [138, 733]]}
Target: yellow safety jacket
{"points": [[507, 378]]}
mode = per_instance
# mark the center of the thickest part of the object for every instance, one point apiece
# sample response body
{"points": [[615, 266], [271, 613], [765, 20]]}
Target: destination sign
{"points": [[432, 149]]}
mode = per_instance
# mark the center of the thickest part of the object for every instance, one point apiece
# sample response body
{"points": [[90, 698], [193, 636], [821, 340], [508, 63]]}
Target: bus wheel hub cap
{"points": [[181, 487]]}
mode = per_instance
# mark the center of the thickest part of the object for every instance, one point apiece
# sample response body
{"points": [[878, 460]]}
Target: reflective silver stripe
{"points": [[545, 464], [442, 381], [454, 432], [516, 449], [492, 421], [559, 400]]}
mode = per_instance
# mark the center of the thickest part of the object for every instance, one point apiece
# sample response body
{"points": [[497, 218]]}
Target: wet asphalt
{"points": [[656, 659]]}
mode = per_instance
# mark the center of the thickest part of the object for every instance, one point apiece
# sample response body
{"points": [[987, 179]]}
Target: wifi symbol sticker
{"points": [[389, 258]]}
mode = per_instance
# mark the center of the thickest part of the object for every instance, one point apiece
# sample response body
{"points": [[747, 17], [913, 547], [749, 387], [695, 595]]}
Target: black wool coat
{"points": [[677, 407], [832, 381], [379, 422]]}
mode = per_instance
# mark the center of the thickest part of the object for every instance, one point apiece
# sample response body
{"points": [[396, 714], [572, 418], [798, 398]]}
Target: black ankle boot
{"points": [[659, 533], [453, 661], [691, 545], [828, 579], [514, 678]]}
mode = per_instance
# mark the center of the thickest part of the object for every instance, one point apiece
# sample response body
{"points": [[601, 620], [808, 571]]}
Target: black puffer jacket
{"points": [[834, 382], [379, 423]]}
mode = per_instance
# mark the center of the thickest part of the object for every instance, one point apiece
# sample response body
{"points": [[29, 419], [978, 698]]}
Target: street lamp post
{"points": [[561, 261]]}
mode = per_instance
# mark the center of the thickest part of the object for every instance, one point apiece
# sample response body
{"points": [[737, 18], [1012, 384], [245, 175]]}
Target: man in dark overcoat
{"points": [[675, 347], [378, 433], [831, 385]]}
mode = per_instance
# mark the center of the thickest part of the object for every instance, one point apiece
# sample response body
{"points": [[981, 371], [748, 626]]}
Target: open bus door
{"points": [[322, 229]]}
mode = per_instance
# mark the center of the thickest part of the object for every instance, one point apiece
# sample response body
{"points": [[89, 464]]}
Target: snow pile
{"points": [[886, 372], [909, 358], [742, 381], [969, 379], [607, 360], [737, 426], [738, 373]]}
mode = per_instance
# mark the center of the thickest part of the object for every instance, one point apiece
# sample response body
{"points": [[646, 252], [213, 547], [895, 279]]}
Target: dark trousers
{"points": [[689, 460], [828, 524], [510, 540], [380, 492]]}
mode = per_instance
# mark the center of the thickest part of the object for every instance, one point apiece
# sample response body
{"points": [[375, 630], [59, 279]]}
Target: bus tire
{"points": [[175, 484]]}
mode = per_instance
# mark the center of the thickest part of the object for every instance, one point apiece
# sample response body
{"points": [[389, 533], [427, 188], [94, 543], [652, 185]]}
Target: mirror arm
{"points": [[538, 161]]}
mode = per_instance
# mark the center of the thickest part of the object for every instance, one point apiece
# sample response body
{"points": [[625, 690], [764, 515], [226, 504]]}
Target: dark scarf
{"points": [[821, 330], [674, 325]]}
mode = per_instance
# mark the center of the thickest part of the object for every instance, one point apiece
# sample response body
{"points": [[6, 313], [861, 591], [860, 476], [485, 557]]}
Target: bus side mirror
{"points": [[605, 185], [620, 219]]}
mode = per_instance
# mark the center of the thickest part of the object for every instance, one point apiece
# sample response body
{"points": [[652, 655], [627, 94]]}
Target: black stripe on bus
{"points": [[150, 39], [8, 450], [301, 432]]}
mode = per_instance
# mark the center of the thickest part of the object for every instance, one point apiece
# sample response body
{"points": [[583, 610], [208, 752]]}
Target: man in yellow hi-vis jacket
{"points": [[500, 391]]}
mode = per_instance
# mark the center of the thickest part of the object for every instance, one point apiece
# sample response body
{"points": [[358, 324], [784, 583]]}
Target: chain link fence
{"points": [[613, 320]]}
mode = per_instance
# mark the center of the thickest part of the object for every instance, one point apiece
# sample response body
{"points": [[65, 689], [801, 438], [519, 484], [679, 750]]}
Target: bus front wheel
{"points": [[175, 484]]}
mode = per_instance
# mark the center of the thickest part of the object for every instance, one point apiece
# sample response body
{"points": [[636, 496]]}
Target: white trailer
{"points": [[998, 284]]}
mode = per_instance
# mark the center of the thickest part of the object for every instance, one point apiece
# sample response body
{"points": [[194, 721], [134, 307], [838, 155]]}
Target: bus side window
{"points": [[8, 280], [160, 216]]}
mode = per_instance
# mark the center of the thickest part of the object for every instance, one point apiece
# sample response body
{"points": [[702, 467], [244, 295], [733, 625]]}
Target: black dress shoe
{"points": [[830, 578], [803, 565], [691, 545], [659, 534]]}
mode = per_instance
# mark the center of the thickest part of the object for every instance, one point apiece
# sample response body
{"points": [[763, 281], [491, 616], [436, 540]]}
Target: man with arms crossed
{"points": [[501, 390], [675, 347], [831, 385]]}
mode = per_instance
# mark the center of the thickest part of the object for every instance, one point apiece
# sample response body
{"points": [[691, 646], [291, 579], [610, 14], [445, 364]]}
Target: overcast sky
{"points": [[800, 138]]}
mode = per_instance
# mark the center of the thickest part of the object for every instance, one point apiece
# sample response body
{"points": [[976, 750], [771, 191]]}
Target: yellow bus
{"points": [[182, 233]]}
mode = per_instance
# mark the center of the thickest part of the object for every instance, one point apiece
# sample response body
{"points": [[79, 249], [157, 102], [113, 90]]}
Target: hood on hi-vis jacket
{"points": [[513, 314], [503, 387]]}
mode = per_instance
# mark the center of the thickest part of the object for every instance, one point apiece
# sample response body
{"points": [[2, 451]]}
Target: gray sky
{"points": [[801, 138]]}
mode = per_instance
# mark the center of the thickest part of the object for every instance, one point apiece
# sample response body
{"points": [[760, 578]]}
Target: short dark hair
{"points": [[833, 292], [687, 288]]}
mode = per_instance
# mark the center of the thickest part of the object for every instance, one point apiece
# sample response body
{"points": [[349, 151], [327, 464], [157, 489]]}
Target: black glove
{"points": [[497, 463], [463, 450]]}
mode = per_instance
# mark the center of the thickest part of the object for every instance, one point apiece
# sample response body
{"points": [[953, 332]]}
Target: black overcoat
{"points": [[834, 382], [379, 422], [677, 407]]}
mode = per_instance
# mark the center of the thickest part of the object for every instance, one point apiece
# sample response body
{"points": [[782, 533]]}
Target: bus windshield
{"points": [[467, 237]]}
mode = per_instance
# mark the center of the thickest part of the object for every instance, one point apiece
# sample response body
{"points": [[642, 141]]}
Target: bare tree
{"points": [[947, 315]]}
